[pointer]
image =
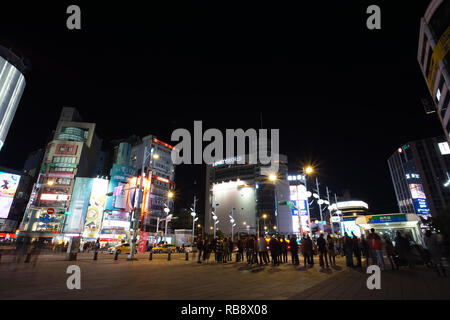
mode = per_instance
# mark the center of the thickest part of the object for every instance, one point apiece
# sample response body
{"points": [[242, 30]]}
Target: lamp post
{"points": [[307, 171], [193, 214], [232, 223], [273, 179], [320, 204]]}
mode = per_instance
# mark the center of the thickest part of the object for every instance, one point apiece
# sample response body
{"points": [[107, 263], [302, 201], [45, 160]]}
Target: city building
{"points": [[348, 212], [12, 84], [162, 179], [251, 198], [433, 57], [73, 152], [419, 171]]}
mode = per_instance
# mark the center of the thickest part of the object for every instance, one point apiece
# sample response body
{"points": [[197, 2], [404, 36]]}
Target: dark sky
{"points": [[343, 96]]}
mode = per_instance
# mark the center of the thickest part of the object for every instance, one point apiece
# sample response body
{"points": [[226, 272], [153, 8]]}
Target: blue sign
{"points": [[421, 206], [303, 208]]}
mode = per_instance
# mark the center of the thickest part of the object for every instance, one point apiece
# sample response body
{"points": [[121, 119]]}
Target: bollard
{"points": [[187, 256], [28, 258], [168, 256], [116, 255], [95, 255], [150, 257]]}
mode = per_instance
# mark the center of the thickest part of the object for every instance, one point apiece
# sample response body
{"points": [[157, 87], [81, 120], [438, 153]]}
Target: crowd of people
{"points": [[370, 249]]}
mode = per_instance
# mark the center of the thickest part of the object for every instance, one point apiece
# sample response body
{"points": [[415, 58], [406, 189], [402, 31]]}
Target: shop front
{"points": [[388, 224]]}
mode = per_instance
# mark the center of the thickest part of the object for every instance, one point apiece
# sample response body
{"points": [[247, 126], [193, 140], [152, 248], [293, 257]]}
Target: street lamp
{"points": [[306, 171], [193, 214]]}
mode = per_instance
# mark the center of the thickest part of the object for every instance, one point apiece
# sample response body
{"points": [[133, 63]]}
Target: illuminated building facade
{"points": [[72, 153], [434, 58], [12, 84], [420, 175], [252, 196]]}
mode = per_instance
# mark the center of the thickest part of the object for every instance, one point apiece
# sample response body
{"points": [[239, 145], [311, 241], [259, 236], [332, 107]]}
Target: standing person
{"points": [[247, 250], [230, 249], [371, 240], [322, 249], [433, 246], [365, 250], [294, 250], [283, 245], [219, 250], [357, 250], [251, 250], [331, 250], [273, 246], [262, 251], [200, 247], [390, 251], [311, 245], [341, 246], [306, 250], [226, 249], [337, 245], [348, 250]]}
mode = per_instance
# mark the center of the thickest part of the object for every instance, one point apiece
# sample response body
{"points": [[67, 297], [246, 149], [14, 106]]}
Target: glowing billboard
{"points": [[8, 187], [419, 199], [94, 215]]}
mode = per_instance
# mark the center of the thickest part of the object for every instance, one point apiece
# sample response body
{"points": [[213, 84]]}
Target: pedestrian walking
{"points": [[377, 248], [331, 250], [348, 250], [322, 250], [434, 248]]}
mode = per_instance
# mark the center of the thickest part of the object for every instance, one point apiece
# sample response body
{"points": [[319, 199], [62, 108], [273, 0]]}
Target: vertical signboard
{"points": [[78, 205], [143, 242], [419, 199], [94, 213]]}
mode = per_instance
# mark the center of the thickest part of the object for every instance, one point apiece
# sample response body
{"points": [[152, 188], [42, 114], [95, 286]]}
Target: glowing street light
{"points": [[170, 195], [309, 170], [272, 177]]}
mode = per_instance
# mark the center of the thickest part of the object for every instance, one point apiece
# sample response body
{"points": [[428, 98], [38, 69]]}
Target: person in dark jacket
{"points": [[322, 248], [365, 249], [274, 251], [251, 244], [294, 250], [348, 250], [200, 247], [403, 250], [331, 250], [357, 250], [307, 250], [283, 247], [240, 253]]}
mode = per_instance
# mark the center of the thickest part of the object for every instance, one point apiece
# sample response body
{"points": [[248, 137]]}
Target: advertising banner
{"points": [[78, 205], [8, 187], [94, 214], [143, 242], [419, 199], [120, 176]]}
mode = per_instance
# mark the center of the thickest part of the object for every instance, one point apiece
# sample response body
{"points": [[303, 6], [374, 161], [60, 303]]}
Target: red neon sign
{"points": [[163, 143]]}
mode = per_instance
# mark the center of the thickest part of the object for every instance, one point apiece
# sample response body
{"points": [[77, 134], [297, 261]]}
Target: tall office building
{"points": [[433, 57], [12, 84], [420, 175], [73, 152], [241, 190]]}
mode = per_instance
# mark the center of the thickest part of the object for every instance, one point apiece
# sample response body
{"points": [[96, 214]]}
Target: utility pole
{"points": [[329, 211], [320, 206], [193, 214]]}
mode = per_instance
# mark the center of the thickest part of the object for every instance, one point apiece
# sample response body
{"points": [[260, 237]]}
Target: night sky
{"points": [[344, 97]]}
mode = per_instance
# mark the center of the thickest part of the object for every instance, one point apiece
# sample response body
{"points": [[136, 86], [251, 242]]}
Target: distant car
{"points": [[164, 248], [124, 247]]}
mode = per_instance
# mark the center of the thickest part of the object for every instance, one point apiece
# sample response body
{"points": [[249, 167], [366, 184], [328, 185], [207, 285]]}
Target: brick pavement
{"points": [[187, 280]]}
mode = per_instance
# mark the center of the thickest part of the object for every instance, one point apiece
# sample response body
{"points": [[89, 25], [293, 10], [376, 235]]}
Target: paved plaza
{"points": [[179, 279]]}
